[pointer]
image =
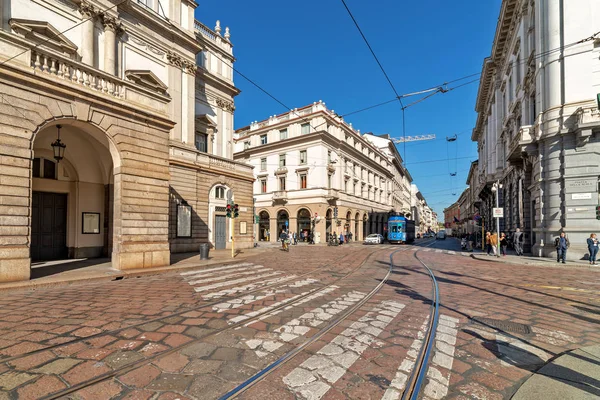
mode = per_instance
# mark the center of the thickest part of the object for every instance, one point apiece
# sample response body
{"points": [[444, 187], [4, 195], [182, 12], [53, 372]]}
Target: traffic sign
{"points": [[498, 212]]}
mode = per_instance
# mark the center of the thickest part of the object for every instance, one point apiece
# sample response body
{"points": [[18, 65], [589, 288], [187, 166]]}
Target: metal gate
{"points": [[220, 231]]}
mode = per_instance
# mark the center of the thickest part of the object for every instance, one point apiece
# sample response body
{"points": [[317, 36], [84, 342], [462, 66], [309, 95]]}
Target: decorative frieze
{"points": [[188, 66], [225, 105]]}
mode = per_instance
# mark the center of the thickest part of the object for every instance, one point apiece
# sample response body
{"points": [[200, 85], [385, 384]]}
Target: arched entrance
{"points": [[328, 224], [356, 221], [72, 204], [304, 227], [283, 221], [264, 226], [348, 224], [219, 226]]}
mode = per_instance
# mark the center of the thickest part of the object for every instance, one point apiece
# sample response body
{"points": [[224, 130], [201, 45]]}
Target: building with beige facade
{"points": [[538, 123], [308, 163], [147, 166]]}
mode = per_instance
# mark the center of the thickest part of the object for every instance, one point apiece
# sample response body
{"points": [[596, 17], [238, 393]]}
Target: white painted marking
{"points": [[438, 251], [314, 377], [216, 269], [465, 254], [451, 252], [245, 288], [210, 275], [251, 298], [303, 324], [234, 282], [445, 340], [221, 277]]}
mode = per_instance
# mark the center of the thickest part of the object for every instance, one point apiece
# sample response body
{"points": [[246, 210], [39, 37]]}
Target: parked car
{"points": [[441, 235], [374, 238]]}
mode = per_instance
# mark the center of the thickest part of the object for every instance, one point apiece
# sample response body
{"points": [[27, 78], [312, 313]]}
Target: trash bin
{"points": [[204, 248]]}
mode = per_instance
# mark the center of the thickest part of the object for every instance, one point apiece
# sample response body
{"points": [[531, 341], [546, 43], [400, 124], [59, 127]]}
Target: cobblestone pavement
{"points": [[202, 333]]}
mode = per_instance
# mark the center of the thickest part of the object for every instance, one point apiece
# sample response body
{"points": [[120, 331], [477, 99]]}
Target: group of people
{"points": [[492, 239], [287, 238], [333, 238]]}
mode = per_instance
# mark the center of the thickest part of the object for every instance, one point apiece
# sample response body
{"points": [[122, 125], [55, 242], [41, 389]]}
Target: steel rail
{"points": [[419, 372], [183, 311], [259, 376], [131, 366]]}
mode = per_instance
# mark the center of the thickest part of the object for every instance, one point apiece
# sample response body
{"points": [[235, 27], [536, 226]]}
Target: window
{"points": [[282, 183], [303, 184], [346, 185], [328, 156], [354, 189], [263, 186], [147, 3], [281, 160], [302, 157], [518, 62], [532, 109], [201, 142], [283, 134], [329, 180], [263, 164], [263, 139], [304, 129], [43, 168], [220, 192], [246, 145]]}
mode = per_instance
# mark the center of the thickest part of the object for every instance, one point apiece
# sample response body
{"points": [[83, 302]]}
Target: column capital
{"points": [[87, 10], [111, 23]]}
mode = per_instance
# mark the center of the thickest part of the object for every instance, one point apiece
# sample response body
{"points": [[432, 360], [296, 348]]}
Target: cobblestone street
{"points": [[317, 322]]}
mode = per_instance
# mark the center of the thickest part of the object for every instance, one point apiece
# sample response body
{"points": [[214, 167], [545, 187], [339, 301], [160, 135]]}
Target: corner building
{"points": [[308, 162], [538, 124], [145, 128]]}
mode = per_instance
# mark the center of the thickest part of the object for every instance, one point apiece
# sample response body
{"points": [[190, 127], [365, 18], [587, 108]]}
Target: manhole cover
{"points": [[506, 326]]}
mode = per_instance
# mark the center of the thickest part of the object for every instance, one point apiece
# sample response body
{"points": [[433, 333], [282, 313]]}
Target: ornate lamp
{"points": [[58, 146]]}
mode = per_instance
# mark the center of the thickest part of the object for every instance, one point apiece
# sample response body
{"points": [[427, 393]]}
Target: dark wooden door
{"points": [[220, 231], [49, 226]]}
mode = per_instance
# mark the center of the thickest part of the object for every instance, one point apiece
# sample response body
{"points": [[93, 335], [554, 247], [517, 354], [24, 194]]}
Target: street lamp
{"points": [[496, 188], [58, 147]]}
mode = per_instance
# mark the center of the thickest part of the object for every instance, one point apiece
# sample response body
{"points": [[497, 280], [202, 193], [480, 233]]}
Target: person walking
{"points": [[592, 243], [283, 237], [341, 239], [562, 244], [518, 242], [503, 244], [494, 243], [488, 242]]}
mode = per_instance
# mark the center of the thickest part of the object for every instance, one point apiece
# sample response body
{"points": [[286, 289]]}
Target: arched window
{"points": [[44, 168], [220, 192]]}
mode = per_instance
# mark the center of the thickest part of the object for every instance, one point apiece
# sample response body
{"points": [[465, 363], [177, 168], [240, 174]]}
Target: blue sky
{"points": [[308, 51]]}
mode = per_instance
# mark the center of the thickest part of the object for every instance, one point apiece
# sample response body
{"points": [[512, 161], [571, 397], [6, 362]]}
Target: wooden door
{"points": [[48, 226]]}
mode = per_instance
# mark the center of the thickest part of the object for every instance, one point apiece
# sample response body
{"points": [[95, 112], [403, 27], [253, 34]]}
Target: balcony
{"points": [[332, 194], [517, 145], [281, 171], [280, 196]]}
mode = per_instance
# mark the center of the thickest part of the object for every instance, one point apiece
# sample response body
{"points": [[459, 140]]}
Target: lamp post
{"points": [[58, 147], [496, 188]]}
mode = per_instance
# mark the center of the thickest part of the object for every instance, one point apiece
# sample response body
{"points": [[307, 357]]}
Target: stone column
{"points": [[111, 26], [87, 32]]}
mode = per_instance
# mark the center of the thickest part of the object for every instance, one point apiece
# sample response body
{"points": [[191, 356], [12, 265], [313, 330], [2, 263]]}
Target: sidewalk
{"points": [[574, 375], [534, 261], [89, 270]]}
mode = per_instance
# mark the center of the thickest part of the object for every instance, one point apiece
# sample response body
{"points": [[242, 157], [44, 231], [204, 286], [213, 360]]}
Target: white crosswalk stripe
{"points": [[227, 267], [235, 281], [314, 377], [303, 324], [259, 269], [245, 288], [445, 341], [451, 252], [438, 251]]}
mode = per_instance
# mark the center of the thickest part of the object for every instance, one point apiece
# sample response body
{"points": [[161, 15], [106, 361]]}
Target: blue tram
{"points": [[400, 230]]}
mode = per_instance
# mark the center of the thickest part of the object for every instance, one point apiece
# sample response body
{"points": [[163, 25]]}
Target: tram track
{"points": [[185, 310], [131, 366], [261, 375]]}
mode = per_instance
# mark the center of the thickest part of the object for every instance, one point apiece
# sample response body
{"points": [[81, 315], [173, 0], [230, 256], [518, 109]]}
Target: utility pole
{"points": [[496, 188]]}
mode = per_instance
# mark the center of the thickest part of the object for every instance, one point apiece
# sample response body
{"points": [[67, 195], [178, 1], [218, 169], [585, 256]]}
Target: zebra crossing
{"points": [[214, 283]]}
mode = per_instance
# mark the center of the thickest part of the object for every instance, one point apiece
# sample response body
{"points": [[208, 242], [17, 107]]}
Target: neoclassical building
{"points": [[538, 122], [309, 162], [142, 98]]}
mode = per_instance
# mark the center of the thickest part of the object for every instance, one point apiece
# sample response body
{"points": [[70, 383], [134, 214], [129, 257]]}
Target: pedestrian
{"points": [[592, 243], [562, 244], [295, 237], [349, 237], [518, 242], [311, 238], [503, 244], [341, 238], [283, 237], [488, 242], [494, 243]]}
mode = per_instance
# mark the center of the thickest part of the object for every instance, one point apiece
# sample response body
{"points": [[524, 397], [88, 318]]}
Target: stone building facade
{"points": [[118, 86], [309, 162], [538, 122]]}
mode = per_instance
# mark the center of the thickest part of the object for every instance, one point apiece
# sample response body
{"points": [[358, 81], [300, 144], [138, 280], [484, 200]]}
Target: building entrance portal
{"points": [[48, 226], [220, 231]]}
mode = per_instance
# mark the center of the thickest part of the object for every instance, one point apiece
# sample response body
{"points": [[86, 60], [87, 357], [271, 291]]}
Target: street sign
{"points": [[498, 212]]}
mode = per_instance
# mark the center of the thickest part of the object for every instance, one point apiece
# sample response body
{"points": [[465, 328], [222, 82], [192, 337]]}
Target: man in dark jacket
{"points": [[562, 244]]}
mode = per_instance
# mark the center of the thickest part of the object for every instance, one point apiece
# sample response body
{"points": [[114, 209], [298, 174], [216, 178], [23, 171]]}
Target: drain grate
{"points": [[506, 326]]}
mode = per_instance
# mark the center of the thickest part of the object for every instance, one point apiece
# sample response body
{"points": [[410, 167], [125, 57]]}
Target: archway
{"points": [[348, 224], [73, 199], [304, 228], [219, 226], [328, 224], [283, 221], [356, 221], [264, 226]]}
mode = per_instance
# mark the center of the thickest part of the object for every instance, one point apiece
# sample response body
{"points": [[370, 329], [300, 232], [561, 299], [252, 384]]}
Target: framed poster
{"points": [[90, 223], [243, 228], [184, 220]]}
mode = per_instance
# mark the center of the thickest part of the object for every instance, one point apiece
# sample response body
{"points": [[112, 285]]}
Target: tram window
{"points": [[394, 229]]}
